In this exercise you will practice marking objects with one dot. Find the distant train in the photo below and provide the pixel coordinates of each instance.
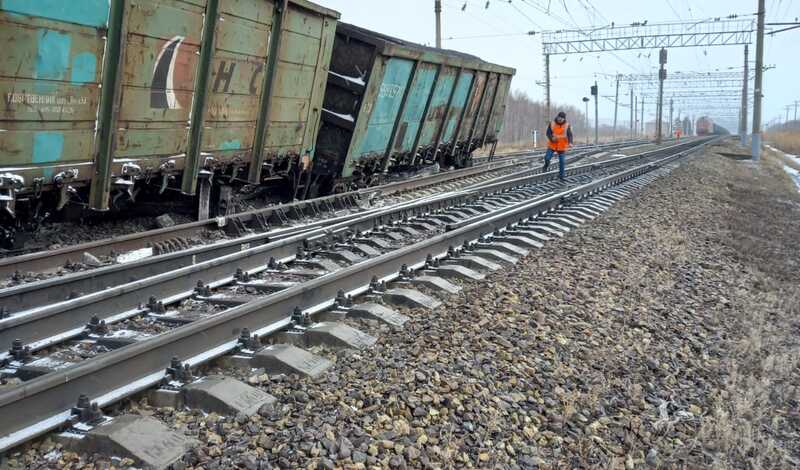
(706, 126)
(110, 101)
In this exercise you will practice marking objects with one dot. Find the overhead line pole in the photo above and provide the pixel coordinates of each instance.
(596, 124)
(632, 113)
(616, 108)
(547, 84)
(743, 117)
(758, 92)
(671, 108)
(437, 8)
(642, 121)
(719, 32)
(635, 121)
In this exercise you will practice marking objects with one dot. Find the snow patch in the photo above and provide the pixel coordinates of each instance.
(134, 255)
(346, 117)
(795, 175)
(356, 80)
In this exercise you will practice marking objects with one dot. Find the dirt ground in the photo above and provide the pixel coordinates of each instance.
(663, 334)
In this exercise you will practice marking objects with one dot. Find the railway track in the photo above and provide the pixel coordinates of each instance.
(119, 337)
(277, 220)
(117, 289)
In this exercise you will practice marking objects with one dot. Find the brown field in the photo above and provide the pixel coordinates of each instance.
(788, 141)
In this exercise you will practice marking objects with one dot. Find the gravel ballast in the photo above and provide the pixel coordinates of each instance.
(663, 334)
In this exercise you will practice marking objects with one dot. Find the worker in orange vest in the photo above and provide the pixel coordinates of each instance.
(678, 133)
(559, 139)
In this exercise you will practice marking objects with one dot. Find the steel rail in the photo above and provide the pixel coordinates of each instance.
(30, 295)
(53, 259)
(44, 403)
(439, 178)
(118, 292)
(523, 175)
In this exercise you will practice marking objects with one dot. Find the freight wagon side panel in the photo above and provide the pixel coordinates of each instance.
(472, 107)
(496, 123)
(486, 107)
(159, 70)
(438, 106)
(349, 83)
(384, 111)
(236, 77)
(416, 100)
(322, 66)
(306, 44)
(50, 71)
(457, 105)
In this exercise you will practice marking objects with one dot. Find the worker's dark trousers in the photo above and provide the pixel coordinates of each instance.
(549, 156)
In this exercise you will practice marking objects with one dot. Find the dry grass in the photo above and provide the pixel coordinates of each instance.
(752, 422)
(747, 426)
(788, 141)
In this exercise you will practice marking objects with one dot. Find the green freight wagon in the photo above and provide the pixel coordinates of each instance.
(116, 96)
(394, 106)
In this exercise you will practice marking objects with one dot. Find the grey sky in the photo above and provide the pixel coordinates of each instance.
(414, 20)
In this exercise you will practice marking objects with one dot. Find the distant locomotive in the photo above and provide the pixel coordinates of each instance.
(109, 101)
(706, 126)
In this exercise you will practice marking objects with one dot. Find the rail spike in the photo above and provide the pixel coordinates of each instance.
(202, 290)
(177, 372)
(376, 287)
(405, 273)
(156, 306)
(86, 412)
(341, 299)
(301, 318)
(248, 341)
(19, 352)
(97, 326)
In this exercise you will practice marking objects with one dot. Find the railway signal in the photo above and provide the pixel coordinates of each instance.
(586, 117)
(662, 75)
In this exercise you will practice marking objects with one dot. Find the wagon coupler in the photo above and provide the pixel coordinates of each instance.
(65, 190)
(126, 183)
(167, 171)
(9, 185)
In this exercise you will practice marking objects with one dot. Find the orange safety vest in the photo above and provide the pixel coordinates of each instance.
(560, 135)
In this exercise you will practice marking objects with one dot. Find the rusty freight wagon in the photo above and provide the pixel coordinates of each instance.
(106, 98)
(393, 106)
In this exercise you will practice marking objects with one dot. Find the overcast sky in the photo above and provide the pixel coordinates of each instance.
(505, 22)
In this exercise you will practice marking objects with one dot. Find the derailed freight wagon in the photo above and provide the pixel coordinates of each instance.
(393, 106)
(105, 98)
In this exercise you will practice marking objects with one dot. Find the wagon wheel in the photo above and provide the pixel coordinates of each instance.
(374, 180)
(339, 188)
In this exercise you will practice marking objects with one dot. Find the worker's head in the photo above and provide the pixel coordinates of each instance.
(561, 118)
